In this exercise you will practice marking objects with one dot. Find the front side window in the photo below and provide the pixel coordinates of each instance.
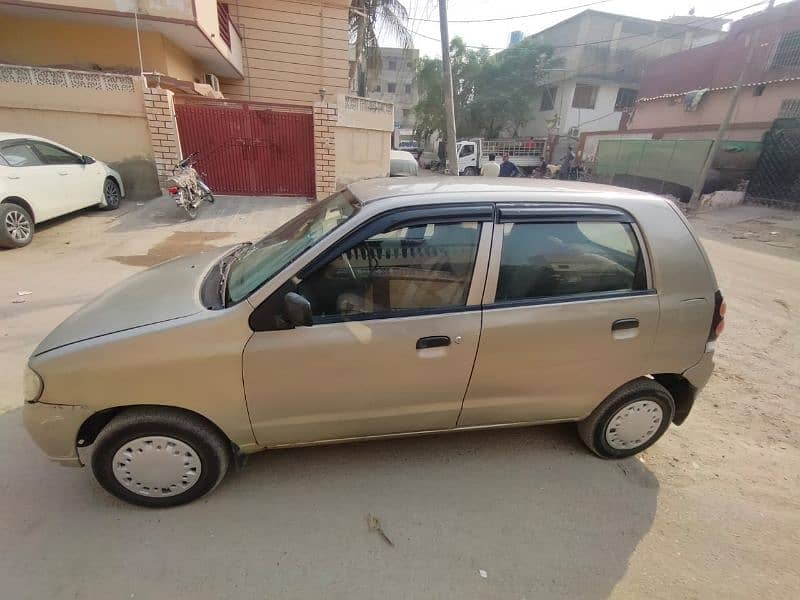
(20, 154)
(553, 260)
(56, 156)
(267, 257)
(419, 267)
(466, 150)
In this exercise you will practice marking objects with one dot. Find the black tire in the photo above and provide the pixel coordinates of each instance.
(470, 172)
(592, 430)
(212, 448)
(112, 194)
(209, 197)
(16, 226)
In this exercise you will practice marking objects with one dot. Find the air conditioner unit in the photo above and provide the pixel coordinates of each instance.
(574, 133)
(212, 80)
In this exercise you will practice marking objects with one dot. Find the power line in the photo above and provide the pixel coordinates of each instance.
(686, 26)
(539, 14)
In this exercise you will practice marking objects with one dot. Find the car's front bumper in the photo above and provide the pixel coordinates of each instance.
(54, 428)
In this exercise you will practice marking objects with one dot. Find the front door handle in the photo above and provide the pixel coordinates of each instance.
(13, 176)
(620, 324)
(63, 173)
(433, 341)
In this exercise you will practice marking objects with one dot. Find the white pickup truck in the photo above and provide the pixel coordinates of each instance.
(527, 154)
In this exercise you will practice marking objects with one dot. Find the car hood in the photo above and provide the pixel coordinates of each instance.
(168, 291)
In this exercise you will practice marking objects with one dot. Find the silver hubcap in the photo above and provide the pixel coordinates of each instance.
(157, 466)
(634, 424)
(112, 194)
(18, 226)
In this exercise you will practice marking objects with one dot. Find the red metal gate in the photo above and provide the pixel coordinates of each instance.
(247, 147)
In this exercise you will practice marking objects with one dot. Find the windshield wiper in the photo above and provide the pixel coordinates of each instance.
(225, 267)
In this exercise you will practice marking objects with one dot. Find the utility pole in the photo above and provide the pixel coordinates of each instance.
(447, 91)
(713, 152)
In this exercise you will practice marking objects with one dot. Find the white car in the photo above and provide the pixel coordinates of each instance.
(41, 180)
(402, 164)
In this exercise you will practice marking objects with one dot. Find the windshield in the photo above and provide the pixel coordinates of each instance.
(264, 259)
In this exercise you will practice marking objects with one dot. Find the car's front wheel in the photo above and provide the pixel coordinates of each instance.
(112, 195)
(629, 420)
(159, 457)
(16, 226)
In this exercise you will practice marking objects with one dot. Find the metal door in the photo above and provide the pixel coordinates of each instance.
(249, 148)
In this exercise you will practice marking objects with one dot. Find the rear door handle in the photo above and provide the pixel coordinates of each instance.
(13, 176)
(434, 341)
(620, 324)
(63, 173)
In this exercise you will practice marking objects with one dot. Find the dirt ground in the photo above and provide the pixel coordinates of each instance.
(711, 511)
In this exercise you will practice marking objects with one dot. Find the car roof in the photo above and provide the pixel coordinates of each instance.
(495, 189)
(7, 135)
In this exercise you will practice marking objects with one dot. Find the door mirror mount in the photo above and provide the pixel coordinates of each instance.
(297, 310)
(87, 160)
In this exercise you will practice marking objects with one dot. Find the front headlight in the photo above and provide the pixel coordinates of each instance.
(32, 385)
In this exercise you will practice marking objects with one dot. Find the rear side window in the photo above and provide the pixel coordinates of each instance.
(20, 154)
(553, 260)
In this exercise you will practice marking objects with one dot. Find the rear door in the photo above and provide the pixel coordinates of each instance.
(570, 314)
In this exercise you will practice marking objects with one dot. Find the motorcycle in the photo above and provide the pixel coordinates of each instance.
(187, 187)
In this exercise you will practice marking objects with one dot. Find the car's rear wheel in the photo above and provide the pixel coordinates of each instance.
(629, 420)
(159, 457)
(111, 194)
(16, 226)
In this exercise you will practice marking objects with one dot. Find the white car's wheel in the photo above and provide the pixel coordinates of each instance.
(16, 226)
(111, 194)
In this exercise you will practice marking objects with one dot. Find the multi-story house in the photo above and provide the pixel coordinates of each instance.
(687, 94)
(602, 58)
(392, 79)
(259, 87)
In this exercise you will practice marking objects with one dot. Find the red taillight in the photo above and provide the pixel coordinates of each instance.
(718, 322)
(173, 190)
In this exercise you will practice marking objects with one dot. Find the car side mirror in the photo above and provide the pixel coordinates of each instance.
(297, 310)
(87, 160)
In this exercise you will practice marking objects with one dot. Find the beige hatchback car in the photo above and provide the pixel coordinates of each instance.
(391, 308)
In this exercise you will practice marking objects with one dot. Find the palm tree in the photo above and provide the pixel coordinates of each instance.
(368, 20)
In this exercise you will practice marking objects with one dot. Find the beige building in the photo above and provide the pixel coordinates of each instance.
(280, 65)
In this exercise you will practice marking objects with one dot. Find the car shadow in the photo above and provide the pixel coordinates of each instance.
(530, 509)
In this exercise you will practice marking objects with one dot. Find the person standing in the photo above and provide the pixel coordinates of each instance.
(566, 164)
(508, 168)
(491, 168)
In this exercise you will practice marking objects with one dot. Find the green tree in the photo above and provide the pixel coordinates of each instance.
(368, 19)
(491, 94)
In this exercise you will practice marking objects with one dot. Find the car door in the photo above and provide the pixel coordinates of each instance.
(570, 314)
(395, 330)
(27, 177)
(81, 184)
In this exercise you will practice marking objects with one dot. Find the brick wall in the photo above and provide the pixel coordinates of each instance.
(325, 119)
(160, 111)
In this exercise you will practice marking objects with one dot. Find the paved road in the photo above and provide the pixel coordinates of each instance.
(711, 511)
